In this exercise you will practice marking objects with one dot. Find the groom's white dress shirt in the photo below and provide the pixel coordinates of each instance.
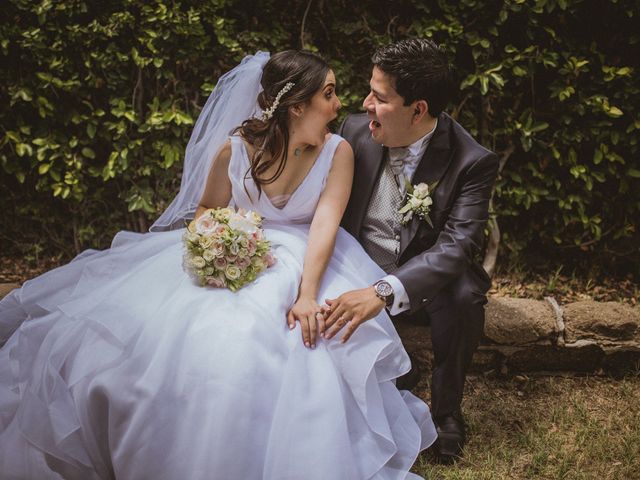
(404, 162)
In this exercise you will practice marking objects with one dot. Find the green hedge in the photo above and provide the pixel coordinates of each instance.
(98, 100)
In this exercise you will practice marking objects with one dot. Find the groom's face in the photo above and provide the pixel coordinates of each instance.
(390, 119)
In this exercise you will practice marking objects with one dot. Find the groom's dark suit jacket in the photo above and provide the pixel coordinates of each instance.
(431, 257)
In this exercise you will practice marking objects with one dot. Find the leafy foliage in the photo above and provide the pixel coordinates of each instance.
(98, 103)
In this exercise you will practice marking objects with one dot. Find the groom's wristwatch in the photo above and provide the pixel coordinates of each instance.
(384, 291)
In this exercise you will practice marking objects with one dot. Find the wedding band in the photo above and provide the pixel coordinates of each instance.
(319, 313)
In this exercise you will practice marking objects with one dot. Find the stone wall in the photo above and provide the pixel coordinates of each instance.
(523, 335)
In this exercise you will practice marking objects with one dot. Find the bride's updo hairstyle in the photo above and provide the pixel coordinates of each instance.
(307, 71)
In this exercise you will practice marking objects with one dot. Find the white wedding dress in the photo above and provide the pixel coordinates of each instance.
(118, 366)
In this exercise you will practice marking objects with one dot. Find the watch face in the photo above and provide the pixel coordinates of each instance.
(384, 289)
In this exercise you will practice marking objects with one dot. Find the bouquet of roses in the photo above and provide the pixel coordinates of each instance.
(225, 248)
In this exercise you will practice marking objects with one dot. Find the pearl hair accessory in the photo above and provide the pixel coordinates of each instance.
(268, 113)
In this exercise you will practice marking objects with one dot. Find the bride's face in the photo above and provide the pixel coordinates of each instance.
(390, 119)
(322, 109)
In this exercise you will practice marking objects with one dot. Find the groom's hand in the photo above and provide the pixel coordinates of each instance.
(352, 309)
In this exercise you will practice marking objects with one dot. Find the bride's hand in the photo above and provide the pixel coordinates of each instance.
(308, 313)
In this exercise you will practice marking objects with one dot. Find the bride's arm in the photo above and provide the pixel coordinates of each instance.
(217, 191)
(322, 237)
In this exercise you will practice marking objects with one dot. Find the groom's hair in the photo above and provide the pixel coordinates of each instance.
(420, 70)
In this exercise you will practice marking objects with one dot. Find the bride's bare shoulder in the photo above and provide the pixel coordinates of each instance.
(224, 154)
(248, 146)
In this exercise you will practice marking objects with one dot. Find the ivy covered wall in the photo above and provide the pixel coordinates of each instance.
(97, 101)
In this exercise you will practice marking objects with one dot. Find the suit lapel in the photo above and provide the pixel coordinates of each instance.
(431, 168)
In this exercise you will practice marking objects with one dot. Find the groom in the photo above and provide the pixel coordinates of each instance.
(433, 269)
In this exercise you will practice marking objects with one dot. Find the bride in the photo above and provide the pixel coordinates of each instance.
(117, 365)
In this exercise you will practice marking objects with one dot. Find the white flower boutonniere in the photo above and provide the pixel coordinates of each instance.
(418, 202)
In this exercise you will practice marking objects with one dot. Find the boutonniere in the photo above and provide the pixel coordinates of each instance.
(418, 202)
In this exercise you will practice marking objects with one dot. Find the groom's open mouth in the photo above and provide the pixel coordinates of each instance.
(373, 125)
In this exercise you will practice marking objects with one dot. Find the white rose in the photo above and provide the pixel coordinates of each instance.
(242, 224)
(193, 237)
(198, 262)
(426, 202)
(232, 272)
(421, 190)
(206, 241)
(234, 248)
(415, 202)
(208, 255)
(253, 217)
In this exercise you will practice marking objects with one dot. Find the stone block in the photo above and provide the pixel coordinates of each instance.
(520, 321)
(607, 323)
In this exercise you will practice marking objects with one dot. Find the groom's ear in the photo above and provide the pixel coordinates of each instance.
(420, 109)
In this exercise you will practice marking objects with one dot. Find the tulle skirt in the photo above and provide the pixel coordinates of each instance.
(118, 366)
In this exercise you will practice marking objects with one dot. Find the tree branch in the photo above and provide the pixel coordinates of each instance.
(136, 96)
(491, 254)
(304, 20)
(458, 108)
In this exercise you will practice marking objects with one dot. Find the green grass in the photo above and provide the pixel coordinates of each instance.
(547, 428)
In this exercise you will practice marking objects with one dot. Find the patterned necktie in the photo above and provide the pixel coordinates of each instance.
(404, 160)
(396, 162)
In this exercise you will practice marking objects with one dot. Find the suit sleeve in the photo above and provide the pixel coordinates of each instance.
(461, 239)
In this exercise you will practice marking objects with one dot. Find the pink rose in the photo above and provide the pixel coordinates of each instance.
(251, 246)
(215, 282)
(220, 263)
(205, 224)
(217, 249)
(243, 262)
(269, 259)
